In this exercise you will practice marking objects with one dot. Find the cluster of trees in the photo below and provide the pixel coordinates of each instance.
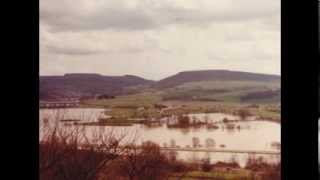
(244, 114)
(183, 120)
(267, 171)
(186, 121)
(105, 96)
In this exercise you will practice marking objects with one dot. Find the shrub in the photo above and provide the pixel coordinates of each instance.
(206, 166)
(244, 113)
(69, 155)
(143, 163)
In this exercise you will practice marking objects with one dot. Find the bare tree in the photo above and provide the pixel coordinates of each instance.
(68, 154)
(144, 162)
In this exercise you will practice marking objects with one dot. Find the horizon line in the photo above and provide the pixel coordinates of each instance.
(161, 78)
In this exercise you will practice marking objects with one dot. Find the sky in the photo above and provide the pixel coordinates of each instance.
(155, 39)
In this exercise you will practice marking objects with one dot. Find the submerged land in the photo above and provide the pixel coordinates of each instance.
(129, 100)
(186, 92)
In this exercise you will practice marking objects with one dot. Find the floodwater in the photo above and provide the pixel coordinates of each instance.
(252, 135)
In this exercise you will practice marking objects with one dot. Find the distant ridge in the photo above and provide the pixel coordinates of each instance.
(81, 84)
(211, 75)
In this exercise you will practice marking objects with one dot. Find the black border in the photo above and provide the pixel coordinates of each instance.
(20, 58)
(35, 75)
(300, 63)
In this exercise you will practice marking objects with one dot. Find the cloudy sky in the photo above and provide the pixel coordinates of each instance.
(158, 38)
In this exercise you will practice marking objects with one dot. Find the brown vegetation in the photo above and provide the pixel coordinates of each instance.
(244, 114)
(143, 163)
(70, 155)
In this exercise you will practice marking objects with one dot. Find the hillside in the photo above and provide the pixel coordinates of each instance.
(207, 85)
(213, 75)
(221, 86)
(52, 87)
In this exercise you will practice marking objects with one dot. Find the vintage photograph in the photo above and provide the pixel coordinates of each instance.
(160, 90)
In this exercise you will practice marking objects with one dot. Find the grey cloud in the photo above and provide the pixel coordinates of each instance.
(109, 19)
(71, 51)
(83, 51)
(144, 16)
(246, 37)
(173, 36)
(129, 50)
(198, 16)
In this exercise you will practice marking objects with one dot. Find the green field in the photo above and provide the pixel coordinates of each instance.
(223, 91)
(142, 106)
(127, 101)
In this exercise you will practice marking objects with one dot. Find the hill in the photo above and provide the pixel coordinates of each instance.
(213, 75)
(52, 87)
(221, 86)
(206, 85)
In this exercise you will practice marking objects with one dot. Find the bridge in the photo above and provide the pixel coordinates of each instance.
(59, 104)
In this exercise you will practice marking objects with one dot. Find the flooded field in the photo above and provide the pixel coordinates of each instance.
(250, 135)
